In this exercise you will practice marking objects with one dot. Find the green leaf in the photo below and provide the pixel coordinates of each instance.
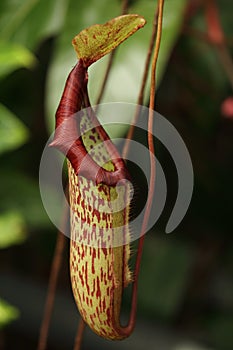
(12, 131)
(20, 193)
(8, 313)
(98, 40)
(30, 21)
(12, 229)
(13, 56)
(126, 74)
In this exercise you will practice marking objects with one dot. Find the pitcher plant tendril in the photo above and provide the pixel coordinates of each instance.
(150, 137)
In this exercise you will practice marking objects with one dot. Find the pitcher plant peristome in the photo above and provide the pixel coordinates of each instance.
(97, 176)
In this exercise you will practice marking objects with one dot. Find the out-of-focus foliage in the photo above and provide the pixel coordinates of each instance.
(12, 133)
(11, 229)
(13, 56)
(26, 201)
(8, 313)
(186, 277)
(29, 22)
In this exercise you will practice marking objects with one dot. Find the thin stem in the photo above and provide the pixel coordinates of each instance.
(124, 10)
(150, 137)
(106, 76)
(152, 171)
(131, 130)
(147, 63)
(79, 334)
(124, 7)
(53, 279)
(153, 70)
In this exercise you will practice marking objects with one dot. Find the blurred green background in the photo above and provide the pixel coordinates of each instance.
(186, 284)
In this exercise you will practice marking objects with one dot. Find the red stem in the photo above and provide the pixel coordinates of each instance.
(110, 62)
(132, 319)
(53, 279)
(79, 335)
(150, 136)
(129, 136)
